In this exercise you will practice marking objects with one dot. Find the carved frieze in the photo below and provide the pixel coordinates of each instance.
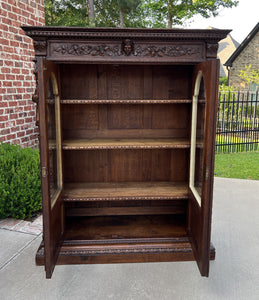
(126, 50)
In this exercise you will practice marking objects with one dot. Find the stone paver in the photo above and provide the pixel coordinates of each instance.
(34, 227)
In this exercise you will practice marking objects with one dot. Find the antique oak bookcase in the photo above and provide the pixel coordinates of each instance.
(127, 128)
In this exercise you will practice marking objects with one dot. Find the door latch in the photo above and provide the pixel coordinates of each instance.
(44, 172)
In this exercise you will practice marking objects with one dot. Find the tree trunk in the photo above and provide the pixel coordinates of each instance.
(91, 13)
(121, 18)
(169, 21)
(170, 15)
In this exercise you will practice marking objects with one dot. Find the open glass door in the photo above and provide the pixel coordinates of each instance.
(51, 162)
(204, 106)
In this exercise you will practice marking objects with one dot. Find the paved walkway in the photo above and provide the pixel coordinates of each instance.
(34, 227)
(233, 275)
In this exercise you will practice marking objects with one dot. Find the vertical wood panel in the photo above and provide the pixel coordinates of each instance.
(125, 116)
(126, 165)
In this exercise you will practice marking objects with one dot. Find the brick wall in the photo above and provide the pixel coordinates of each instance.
(17, 111)
(249, 55)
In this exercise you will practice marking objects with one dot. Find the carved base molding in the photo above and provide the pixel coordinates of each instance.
(118, 251)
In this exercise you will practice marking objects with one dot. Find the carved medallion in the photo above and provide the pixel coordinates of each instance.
(127, 47)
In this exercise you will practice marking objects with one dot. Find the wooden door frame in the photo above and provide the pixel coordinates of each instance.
(199, 214)
(53, 213)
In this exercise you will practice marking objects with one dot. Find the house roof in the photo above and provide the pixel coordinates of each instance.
(241, 47)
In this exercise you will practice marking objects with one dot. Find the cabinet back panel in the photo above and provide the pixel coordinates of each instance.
(125, 82)
(125, 165)
(125, 120)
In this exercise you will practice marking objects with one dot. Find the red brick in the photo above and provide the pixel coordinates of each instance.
(11, 90)
(29, 78)
(25, 139)
(19, 121)
(3, 118)
(25, 71)
(17, 83)
(14, 44)
(3, 27)
(20, 134)
(12, 16)
(9, 77)
(15, 129)
(6, 21)
(4, 13)
(18, 64)
(28, 120)
(27, 108)
(11, 136)
(21, 5)
(2, 138)
(7, 83)
(29, 132)
(16, 142)
(8, 49)
(16, 10)
(8, 63)
(13, 116)
(12, 103)
(16, 71)
(4, 41)
(31, 113)
(5, 131)
(9, 111)
(5, 70)
(6, 6)
(2, 91)
(27, 97)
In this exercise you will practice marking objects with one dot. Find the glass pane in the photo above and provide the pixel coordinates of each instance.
(52, 142)
(199, 139)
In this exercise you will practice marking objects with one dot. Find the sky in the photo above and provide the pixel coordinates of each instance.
(241, 19)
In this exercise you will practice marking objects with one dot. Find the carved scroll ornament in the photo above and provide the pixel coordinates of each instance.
(127, 49)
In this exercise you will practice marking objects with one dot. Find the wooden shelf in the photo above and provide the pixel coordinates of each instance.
(88, 144)
(125, 101)
(125, 191)
(127, 228)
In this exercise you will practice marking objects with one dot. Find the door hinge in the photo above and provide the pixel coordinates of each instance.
(44, 172)
(207, 173)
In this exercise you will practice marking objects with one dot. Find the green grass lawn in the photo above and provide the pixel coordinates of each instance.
(243, 165)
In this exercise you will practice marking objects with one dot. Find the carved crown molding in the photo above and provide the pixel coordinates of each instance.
(37, 32)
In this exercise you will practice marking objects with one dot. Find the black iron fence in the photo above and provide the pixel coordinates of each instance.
(237, 122)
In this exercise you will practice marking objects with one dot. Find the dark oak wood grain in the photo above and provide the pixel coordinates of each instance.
(115, 114)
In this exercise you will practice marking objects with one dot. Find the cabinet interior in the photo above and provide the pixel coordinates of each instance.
(125, 145)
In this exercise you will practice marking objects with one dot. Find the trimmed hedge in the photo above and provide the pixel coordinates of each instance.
(20, 186)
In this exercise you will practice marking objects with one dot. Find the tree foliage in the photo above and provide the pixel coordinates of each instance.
(132, 13)
(249, 75)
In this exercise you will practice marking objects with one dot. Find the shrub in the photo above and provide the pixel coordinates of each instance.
(223, 81)
(20, 187)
